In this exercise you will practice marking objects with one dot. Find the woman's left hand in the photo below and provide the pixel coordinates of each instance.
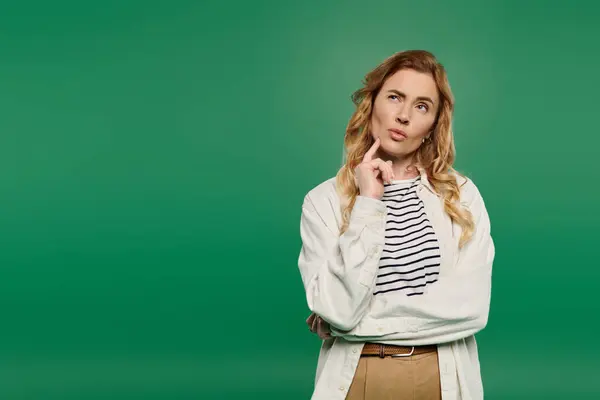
(317, 325)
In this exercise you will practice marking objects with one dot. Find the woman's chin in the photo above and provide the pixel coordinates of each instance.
(393, 149)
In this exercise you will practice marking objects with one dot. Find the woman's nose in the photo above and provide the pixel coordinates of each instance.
(402, 118)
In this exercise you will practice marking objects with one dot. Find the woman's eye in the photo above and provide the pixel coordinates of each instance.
(424, 107)
(392, 96)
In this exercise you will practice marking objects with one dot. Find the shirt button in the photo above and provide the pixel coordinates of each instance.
(354, 350)
(342, 388)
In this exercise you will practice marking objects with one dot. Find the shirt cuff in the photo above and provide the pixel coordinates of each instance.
(366, 207)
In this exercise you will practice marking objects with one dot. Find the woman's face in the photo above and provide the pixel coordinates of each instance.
(404, 112)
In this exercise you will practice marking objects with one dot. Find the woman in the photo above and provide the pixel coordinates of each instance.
(397, 254)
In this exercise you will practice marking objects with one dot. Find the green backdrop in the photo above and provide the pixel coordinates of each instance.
(154, 156)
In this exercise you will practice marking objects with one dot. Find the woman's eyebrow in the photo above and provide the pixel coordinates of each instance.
(420, 98)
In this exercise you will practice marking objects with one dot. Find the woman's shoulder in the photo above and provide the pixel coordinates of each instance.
(323, 192)
(470, 195)
(322, 203)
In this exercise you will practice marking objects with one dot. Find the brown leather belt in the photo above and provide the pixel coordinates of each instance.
(382, 350)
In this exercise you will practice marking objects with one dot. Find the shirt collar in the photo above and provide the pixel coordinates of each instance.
(425, 181)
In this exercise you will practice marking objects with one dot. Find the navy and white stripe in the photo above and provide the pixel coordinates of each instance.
(411, 256)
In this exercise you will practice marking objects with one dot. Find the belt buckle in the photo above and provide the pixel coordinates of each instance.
(412, 350)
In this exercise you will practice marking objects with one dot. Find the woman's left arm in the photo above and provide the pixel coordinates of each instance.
(456, 306)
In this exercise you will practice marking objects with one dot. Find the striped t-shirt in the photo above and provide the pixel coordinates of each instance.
(411, 257)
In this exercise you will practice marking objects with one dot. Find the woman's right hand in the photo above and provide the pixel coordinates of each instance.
(372, 173)
(317, 325)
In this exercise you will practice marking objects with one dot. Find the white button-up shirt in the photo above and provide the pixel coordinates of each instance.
(339, 273)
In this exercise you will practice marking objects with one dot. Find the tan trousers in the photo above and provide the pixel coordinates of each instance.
(403, 378)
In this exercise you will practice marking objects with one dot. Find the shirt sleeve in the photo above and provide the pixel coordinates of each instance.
(455, 307)
(339, 271)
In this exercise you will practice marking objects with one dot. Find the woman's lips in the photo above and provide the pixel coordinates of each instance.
(397, 134)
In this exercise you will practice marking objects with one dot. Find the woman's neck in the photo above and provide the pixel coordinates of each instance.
(403, 167)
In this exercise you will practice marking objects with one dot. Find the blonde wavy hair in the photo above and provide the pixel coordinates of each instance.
(436, 155)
